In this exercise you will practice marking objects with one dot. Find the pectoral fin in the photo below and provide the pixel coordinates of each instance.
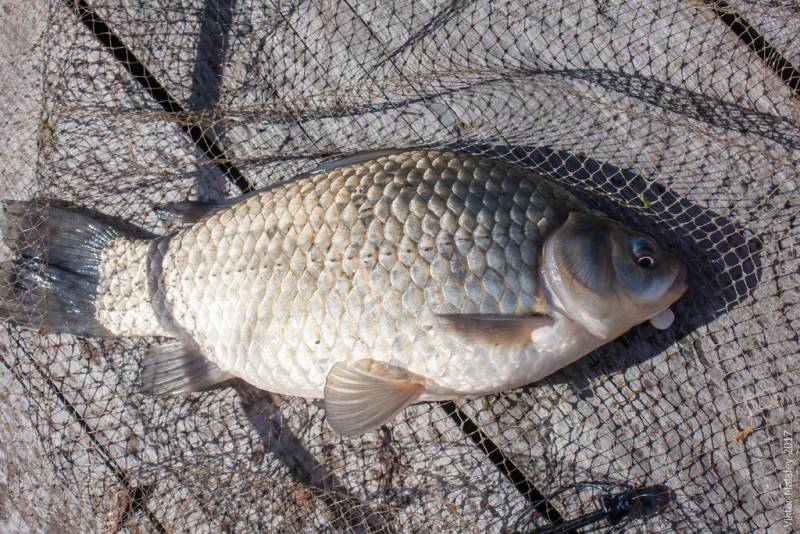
(178, 368)
(496, 330)
(363, 395)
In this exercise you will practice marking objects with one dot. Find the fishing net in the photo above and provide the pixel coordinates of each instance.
(680, 118)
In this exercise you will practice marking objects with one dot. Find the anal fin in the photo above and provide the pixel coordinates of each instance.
(178, 368)
(362, 395)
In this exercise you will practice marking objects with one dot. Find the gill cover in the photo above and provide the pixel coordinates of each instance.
(607, 277)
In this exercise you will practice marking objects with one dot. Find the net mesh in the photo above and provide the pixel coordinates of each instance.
(666, 114)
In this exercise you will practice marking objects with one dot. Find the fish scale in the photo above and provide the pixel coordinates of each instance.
(381, 280)
(356, 263)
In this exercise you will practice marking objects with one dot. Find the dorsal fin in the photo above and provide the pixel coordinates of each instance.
(191, 211)
(358, 157)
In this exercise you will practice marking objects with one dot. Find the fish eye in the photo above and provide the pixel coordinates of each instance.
(644, 253)
(646, 261)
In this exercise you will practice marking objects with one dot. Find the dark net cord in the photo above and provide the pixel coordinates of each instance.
(758, 44)
(136, 497)
(156, 90)
(679, 118)
(125, 57)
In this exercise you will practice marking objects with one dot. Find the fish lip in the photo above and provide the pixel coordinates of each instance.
(676, 289)
(680, 283)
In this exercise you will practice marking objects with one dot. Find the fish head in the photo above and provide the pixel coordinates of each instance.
(608, 277)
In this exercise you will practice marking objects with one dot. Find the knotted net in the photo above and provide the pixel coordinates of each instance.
(681, 118)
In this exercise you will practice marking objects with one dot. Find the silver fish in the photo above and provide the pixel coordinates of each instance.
(390, 278)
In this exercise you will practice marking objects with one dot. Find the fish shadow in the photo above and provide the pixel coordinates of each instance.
(346, 511)
(723, 258)
(206, 90)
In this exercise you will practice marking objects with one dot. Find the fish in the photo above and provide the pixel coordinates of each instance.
(382, 280)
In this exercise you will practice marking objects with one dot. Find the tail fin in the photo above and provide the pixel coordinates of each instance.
(51, 282)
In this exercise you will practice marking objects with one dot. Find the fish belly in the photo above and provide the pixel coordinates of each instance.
(358, 262)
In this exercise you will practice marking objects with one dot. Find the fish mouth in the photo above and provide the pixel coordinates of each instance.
(665, 317)
(680, 284)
